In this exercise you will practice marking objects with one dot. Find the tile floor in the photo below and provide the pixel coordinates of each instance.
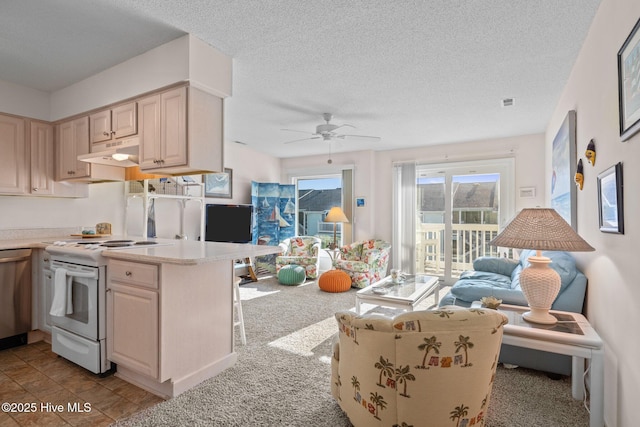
(34, 375)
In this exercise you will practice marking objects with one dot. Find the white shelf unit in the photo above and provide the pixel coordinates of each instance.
(147, 196)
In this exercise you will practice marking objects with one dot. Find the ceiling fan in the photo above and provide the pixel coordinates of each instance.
(327, 132)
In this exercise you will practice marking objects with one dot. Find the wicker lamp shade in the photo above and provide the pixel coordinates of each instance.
(541, 229)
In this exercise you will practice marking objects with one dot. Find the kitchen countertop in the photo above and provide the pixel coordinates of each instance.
(171, 251)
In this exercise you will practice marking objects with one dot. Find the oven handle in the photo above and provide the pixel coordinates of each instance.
(78, 274)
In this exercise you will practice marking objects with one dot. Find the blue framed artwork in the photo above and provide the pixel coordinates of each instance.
(610, 200)
(563, 164)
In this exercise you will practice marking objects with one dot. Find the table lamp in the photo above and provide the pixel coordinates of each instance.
(335, 215)
(540, 229)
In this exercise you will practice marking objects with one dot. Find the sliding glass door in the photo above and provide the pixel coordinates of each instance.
(458, 210)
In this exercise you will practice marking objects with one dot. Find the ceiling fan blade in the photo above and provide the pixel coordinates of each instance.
(343, 125)
(371, 138)
(303, 139)
(300, 131)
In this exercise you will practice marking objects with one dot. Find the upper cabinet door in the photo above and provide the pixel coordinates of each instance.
(116, 123)
(42, 156)
(73, 140)
(149, 119)
(124, 120)
(100, 126)
(13, 166)
(173, 137)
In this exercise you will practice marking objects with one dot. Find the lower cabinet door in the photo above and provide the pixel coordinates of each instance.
(132, 328)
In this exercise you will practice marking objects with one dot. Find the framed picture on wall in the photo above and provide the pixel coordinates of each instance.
(629, 84)
(563, 163)
(218, 184)
(610, 201)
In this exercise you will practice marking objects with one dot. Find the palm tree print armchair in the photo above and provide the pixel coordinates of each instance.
(302, 251)
(365, 262)
(421, 368)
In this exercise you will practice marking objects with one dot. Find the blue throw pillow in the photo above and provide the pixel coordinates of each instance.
(496, 265)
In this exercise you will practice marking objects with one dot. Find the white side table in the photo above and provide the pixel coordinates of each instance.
(572, 336)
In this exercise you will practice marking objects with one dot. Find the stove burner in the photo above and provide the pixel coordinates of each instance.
(118, 243)
(146, 242)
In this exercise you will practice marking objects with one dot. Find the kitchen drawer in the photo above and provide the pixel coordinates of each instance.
(133, 273)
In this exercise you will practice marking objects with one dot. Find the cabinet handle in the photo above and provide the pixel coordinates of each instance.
(112, 132)
(105, 133)
(108, 290)
(35, 188)
(128, 273)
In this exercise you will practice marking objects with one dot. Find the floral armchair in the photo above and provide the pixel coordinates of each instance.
(365, 262)
(421, 368)
(302, 251)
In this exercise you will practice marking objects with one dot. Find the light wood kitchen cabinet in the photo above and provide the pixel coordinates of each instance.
(180, 132)
(42, 154)
(73, 140)
(133, 328)
(132, 317)
(114, 123)
(13, 161)
(42, 158)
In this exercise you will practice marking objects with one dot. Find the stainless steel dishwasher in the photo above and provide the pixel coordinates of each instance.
(15, 297)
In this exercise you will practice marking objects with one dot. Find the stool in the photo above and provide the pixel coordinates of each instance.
(237, 307)
(292, 275)
(335, 281)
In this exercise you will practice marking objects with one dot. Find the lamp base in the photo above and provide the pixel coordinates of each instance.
(540, 285)
(539, 315)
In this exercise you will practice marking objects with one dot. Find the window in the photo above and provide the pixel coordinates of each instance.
(446, 214)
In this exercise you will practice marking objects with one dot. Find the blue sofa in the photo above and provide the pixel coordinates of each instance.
(500, 277)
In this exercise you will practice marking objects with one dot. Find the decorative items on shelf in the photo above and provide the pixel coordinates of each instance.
(591, 152)
(579, 178)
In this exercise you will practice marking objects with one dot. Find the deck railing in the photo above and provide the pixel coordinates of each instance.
(469, 241)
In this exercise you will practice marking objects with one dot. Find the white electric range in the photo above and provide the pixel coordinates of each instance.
(77, 295)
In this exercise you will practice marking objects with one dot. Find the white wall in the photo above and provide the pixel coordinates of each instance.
(104, 204)
(613, 291)
(373, 174)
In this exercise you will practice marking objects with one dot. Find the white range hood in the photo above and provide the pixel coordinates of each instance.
(122, 153)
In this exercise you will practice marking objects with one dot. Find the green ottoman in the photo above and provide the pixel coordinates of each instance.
(291, 275)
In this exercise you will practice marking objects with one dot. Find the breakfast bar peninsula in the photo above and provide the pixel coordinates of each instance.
(170, 312)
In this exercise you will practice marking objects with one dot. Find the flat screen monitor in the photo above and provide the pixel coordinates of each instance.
(229, 223)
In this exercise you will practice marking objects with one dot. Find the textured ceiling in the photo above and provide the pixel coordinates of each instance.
(414, 73)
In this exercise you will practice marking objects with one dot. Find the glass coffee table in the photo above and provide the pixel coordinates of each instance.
(404, 295)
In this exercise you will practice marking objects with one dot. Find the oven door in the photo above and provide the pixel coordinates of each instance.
(79, 311)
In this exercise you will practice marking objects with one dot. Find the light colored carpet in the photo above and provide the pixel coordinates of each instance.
(282, 377)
